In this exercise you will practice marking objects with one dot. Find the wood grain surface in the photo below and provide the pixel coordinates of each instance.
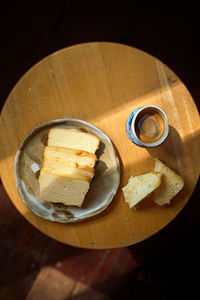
(102, 83)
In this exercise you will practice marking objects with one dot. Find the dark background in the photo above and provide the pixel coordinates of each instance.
(169, 262)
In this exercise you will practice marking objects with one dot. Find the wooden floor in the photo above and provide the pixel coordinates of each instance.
(33, 266)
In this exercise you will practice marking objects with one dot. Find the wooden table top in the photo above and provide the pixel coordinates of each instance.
(102, 83)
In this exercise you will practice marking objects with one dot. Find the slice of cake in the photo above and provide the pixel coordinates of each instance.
(80, 157)
(70, 168)
(139, 187)
(73, 139)
(56, 187)
(171, 184)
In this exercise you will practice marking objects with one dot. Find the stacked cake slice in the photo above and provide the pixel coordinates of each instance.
(68, 166)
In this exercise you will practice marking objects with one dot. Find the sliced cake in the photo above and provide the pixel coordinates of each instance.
(58, 188)
(171, 184)
(139, 187)
(70, 168)
(73, 139)
(80, 157)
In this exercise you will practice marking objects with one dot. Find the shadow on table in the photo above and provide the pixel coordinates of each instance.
(179, 155)
(170, 259)
(182, 231)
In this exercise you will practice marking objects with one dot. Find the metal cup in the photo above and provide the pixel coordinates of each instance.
(131, 126)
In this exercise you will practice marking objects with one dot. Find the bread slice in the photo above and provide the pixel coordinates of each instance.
(69, 168)
(59, 188)
(73, 139)
(82, 158)
(171, 184)
(139, 187)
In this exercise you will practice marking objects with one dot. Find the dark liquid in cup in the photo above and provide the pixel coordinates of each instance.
(149, 126)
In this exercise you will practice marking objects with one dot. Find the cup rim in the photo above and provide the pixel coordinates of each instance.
(165, 134)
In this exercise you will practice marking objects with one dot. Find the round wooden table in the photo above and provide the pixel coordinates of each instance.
(102, 83)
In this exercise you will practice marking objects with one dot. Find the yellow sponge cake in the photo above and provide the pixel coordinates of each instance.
(139, 187)
(80, 157)
(73, 139)
(58, 188)
(68, 166)
(171, 184)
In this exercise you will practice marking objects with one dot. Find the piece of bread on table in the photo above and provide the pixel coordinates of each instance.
(170, 186)
(73, 139)
(139, 187)
(80, 157)
(56, 187)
